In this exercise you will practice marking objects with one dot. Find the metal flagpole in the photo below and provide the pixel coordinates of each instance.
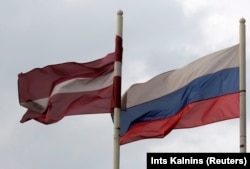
(242, 86)
(117, 90)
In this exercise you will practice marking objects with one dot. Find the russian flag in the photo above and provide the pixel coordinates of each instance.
(202, 92)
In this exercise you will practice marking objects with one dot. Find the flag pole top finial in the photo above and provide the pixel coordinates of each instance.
(242, 20)
(120, 12)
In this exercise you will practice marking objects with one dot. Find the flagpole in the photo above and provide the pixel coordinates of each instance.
(242, 86)
(117, 90)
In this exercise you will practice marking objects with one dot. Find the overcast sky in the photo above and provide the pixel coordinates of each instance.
(158, 36)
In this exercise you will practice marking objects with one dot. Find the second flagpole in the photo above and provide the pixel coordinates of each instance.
(242, 86)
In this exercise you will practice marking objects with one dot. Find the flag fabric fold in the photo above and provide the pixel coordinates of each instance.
(70, 88)
(202, 92)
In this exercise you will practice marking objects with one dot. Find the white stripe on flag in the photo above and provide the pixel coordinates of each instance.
(171, 81)
(71, 86)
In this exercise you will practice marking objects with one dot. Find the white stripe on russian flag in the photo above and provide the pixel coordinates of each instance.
(171, 81)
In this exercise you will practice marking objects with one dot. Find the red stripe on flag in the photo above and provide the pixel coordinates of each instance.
(118, 49)
(117, 92)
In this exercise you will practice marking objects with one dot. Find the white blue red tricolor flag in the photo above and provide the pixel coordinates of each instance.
(202, 92)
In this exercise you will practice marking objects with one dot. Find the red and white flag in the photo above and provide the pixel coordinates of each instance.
(59, 90)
